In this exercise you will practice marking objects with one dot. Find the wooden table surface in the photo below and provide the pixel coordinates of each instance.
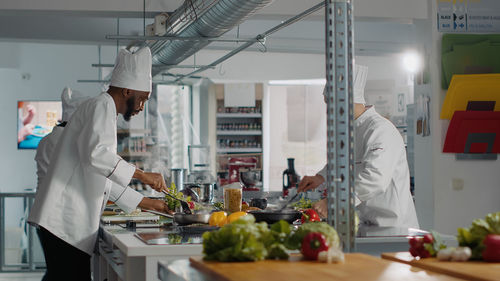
(470, 270)
(356, 267)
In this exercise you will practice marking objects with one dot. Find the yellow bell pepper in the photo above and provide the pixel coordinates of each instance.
(218, 219)
(234, 216)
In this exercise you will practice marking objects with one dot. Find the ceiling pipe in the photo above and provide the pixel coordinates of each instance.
(198, 18)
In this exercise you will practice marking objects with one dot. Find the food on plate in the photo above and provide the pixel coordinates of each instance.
(491, 252)
(475, 236)
(218, 219)
(232, 199)
(312, 244)
(234, 216)
(246, 240)
(309, 215)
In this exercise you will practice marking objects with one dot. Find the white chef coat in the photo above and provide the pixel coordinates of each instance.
(381, 177)
(127, 202)
(79, 178)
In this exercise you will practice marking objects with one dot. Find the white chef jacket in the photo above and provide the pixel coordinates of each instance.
(381, 177)
(127, 202)
(79, 178)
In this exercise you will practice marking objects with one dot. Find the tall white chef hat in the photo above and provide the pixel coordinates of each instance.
(133, 70)
(71, 99)
(360, 74)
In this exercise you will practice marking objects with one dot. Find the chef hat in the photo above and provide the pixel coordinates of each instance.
(133, 70)
(71, 99)
(360, 73)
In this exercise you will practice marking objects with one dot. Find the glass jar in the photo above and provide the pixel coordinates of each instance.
(233, 194)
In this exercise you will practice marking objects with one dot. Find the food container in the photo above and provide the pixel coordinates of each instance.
(232, 197)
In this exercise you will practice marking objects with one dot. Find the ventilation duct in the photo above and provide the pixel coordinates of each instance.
(200, 18)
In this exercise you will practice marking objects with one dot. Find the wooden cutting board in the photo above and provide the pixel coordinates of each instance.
(357, 267)
(470, 270)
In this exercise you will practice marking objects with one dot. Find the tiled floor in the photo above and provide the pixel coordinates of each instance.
(31, 276)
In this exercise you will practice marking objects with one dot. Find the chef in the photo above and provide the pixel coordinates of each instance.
(381, 176)
(84, 167)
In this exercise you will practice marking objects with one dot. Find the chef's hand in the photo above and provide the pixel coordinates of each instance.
(321, 208)
(155, 205)
(310, 182)
(155, 180)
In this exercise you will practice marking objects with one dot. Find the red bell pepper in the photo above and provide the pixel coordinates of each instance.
(312, 244)
(309, 215)
(491, 253)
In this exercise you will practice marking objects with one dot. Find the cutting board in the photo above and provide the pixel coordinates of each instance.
(357, 267)
(470, 270)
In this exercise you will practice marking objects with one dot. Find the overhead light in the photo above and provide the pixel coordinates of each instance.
(412, 62)
(297, 82)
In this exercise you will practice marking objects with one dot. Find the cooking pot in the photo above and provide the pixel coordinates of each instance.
(205, 191)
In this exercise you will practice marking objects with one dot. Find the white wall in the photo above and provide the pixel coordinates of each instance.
(50, 68)
(481, 192)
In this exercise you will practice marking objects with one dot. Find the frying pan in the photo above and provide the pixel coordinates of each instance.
(185, 219)
(274, 216)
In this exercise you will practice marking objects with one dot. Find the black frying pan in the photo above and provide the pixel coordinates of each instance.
(274, 216)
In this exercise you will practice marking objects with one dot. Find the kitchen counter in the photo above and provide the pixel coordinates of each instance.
(195, 269)
(125, 255)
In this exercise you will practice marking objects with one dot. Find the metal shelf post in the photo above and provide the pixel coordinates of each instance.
(339, 83)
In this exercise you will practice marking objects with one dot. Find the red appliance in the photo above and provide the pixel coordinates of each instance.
(237, 163)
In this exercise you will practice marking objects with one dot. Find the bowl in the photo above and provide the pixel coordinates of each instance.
(251, 177)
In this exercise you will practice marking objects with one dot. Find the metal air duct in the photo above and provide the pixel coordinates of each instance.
(198, 18)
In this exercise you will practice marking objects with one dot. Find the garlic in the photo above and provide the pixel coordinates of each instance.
(461, 254)
(333, 254)
(445, 254)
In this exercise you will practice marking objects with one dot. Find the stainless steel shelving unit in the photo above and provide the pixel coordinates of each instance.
(340, 146)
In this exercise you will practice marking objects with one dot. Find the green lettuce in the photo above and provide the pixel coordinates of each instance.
(295, 240)
(245, 240)
(473, 237)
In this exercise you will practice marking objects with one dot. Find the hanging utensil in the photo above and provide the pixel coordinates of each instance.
(184, 204)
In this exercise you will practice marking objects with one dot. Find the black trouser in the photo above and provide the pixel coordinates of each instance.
(64, 262)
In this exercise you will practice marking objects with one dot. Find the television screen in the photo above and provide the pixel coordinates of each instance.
(36, 120)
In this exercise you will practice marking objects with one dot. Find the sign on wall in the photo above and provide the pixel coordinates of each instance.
(468, 15)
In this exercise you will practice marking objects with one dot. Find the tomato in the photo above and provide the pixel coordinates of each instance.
(191, 205)
(309, 215)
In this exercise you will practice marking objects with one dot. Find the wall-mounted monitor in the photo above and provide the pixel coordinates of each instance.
(35, 120)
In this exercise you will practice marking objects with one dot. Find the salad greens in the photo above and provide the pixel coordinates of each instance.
(473, 237)
(302, 204)
(246, 240)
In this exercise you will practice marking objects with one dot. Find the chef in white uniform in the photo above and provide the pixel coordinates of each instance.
(83, 167)
(381, 176)
(70, 99)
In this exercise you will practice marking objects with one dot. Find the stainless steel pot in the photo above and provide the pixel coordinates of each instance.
(205, 191)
